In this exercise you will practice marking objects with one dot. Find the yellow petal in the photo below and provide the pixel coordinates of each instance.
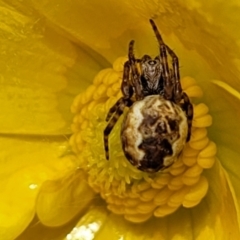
(26, 164)
(118, 22)
(100, 24)
(90, 225)
(60, 200)
(226, 131)
(40, 75)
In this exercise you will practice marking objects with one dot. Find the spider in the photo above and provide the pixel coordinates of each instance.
(159, 120)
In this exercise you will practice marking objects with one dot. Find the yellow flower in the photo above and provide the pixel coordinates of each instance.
(50, 52)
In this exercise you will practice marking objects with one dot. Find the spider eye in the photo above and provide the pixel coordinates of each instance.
(152, 62)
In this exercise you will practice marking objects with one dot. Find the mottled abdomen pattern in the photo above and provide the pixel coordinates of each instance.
(154, 132)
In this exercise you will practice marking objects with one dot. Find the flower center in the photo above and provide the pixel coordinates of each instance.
(128, 191)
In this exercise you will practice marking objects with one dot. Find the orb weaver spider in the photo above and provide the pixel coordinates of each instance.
(159, 119)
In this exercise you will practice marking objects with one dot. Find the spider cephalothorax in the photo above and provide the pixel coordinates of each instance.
(160, 114)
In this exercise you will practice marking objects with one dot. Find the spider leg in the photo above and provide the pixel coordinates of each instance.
(135, 73)
(127, 90)
(126, 87)
(188, 109)
(120, 105)
(114, 113)
(131, 56)
(168, 85)
(113, 109)
(177, 86)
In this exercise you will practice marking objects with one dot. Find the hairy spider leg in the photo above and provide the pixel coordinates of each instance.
(179, 94)
(168, 85)
(126, 87)
(113, 109)
(111, 124)
(131, 56)
(113, 115)
(127, 90)
(134, 72)
(177, 86)
(188, 109)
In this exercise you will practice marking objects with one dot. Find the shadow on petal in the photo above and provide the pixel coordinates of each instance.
(61, 200)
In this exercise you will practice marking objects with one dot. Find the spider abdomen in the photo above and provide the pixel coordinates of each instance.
(154, 132)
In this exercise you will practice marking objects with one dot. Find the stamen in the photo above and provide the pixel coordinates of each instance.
(128, 191)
